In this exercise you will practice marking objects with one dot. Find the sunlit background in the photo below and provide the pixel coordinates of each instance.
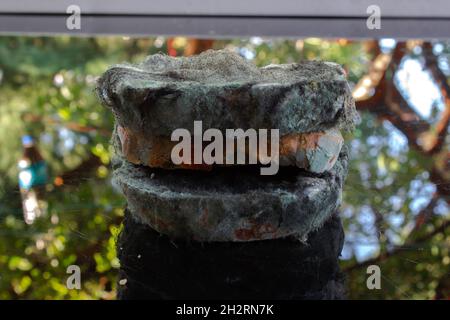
(396, 200)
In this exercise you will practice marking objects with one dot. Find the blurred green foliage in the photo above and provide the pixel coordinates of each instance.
(47, 90)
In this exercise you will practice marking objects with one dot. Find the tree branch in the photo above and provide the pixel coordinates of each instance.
(28, 117)
(82, 171)
(439, 133)
(398, 249)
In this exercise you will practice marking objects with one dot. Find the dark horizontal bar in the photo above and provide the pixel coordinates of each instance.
(258, 8)
(200, 16)
(225, 26)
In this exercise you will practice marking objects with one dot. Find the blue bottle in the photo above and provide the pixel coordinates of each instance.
(33, 176)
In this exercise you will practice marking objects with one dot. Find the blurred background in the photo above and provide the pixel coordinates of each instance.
(59, 208)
